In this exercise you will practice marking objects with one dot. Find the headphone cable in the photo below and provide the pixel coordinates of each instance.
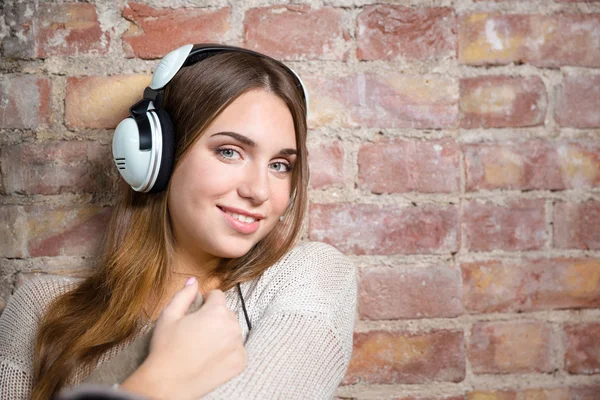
(244, 307)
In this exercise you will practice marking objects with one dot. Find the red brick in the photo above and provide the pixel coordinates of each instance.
(578, 102)
(589, 392)
(66, 231)
(502, 101)
(582, 348)
(531, 285)
(57, 167)
(577, 225)
(500, 347)
(407, 292)
(102, 101)
(386, 32)
(25, 101)
(385, 101)
(48, 29)
(518, 225)
(384, 229)
(326, 162)
(395, 166)
(382, 357)
(13, 231)
(281, 32)
(531, 165)
(561, 393)
(149, 27)
(541, 40)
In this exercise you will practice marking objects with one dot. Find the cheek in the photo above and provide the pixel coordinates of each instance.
(199, 180)
(281, 198)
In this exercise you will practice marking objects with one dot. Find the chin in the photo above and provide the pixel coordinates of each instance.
(236, 250)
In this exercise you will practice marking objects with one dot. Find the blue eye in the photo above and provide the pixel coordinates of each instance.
(221, 151)
(288, 167)
(224, 149)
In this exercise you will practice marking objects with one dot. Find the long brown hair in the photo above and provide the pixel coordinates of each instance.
(104, 309)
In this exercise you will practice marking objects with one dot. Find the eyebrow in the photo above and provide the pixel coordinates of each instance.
(246, 140)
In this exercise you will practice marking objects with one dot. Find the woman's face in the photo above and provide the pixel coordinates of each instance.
(221, 171)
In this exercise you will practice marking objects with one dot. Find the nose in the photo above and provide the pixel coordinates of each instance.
(256, 184)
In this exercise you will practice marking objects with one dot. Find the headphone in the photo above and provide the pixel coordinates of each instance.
(143, 144)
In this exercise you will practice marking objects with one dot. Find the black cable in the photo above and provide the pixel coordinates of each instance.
(244, 307)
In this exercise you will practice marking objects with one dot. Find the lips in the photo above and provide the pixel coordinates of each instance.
(241, 212)
(242, 227)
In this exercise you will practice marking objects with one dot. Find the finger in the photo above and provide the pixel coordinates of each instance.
(215, 297)
(196, 304)
(180, 302)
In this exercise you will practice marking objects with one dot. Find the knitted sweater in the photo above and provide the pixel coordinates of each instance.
(301, 309)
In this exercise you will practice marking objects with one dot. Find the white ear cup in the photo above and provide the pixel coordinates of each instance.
(169, 65)
(138, 167)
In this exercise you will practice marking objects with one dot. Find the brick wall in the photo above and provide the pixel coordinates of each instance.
(455, 156)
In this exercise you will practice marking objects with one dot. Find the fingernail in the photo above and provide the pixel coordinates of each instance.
(190, 281)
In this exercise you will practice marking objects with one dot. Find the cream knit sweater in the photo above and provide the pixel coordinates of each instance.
(302, 312)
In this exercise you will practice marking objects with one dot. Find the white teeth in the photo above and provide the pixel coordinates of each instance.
(242, 218)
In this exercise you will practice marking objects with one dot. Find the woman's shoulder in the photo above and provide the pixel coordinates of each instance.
(20, 318)
(317, 259)
(36, 293)
(313, 276)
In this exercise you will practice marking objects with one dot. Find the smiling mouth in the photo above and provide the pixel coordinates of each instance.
(240, 225)
(240, 217)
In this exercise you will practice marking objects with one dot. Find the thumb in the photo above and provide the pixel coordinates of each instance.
(180, 302)
(215, 298)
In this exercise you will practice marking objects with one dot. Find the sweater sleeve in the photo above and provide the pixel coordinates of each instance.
(18, 328)
(300, 348)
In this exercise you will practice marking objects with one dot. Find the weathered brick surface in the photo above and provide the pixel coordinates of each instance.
(559, 393)
(582, 348)
(281, 32)
(326, 163)
(577, 225)
(536, 164)
(390, 357)
(409, 292)
(530, 285)
(502, 101)
(48, 29)
(541, 40)
(454, 158)
(384, 101)
(578, 102)
(24, 101)
(387, 32)
(57, 167)
(510, 347)
(517, 225)
(102, 102)
(149, 26)
(410, 165)
(13, 231)
(575, 392)
(39, 230)
(65, 231)
(384, 230)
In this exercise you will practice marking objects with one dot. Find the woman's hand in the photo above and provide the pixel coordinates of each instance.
(190, 355)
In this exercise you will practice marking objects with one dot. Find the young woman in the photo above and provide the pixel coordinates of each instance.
(278, 317)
